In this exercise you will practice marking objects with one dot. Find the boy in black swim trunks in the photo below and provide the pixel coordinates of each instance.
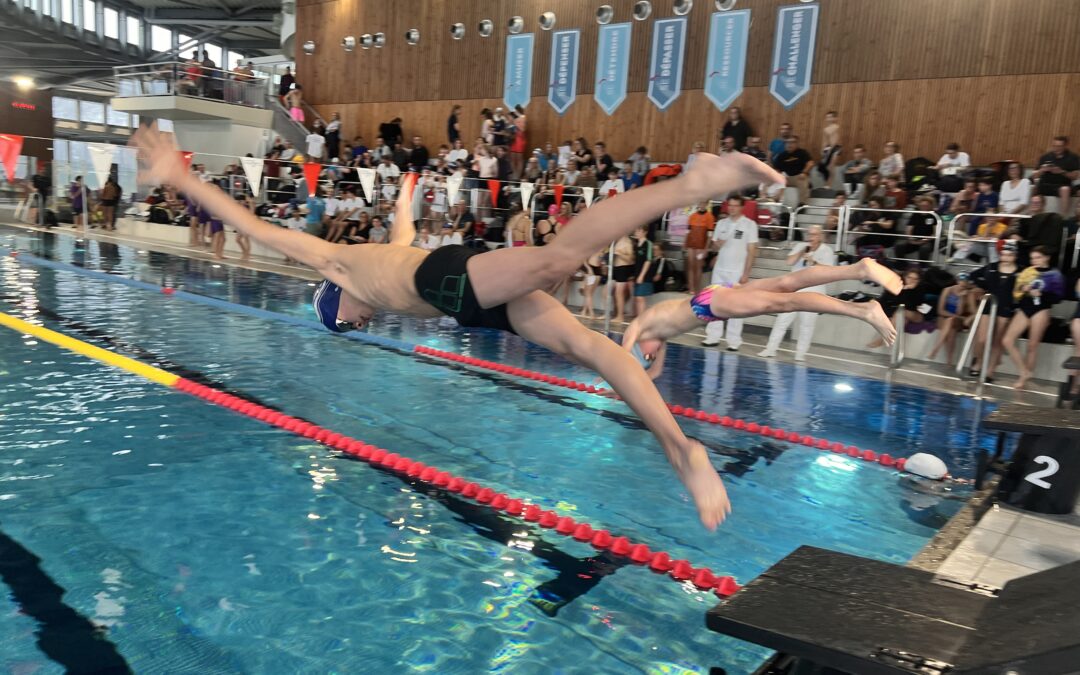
(495, 289)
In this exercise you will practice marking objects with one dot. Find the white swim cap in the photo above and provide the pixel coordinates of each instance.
(927, 466)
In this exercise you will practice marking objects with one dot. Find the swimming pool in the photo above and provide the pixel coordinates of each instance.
(208, 542)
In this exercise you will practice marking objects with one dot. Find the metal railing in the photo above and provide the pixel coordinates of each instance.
(950, 240)
(179, 78)
(965, 353)
(845, 230)
(896, 355)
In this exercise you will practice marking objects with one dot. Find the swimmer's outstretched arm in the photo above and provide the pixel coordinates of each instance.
(161, 163)
(404, 232)
(661, 321)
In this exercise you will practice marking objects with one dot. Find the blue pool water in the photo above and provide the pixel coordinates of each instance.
(206, 542)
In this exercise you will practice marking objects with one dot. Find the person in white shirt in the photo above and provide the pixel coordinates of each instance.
(458, 154)
(450, 236)
(953, 161)
(427, 240)
(316, 143)
(811, 253)
(387, 170)
(736, 241)
(289, 152)
(893, 162)
(613, 185)
(1015, 194)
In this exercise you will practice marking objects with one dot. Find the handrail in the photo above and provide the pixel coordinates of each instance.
(897, 355)
(169, 78)
(965, 352)
(938, 223)
(951, 235)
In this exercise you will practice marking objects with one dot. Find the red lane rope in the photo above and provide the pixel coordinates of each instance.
(657, 561)
(883, 459)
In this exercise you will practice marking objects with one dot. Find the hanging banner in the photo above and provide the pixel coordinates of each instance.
(453, 184)
(666, 66)
(253, 169)
(101, 159)
(10, 149)
(367, 183)
(311, 176)
(564, 69)
(526, 194)
(612, 66)
(559, 189)
(493, 188)
(185, 157)
(793, 53)
(517, 73)
(729, 36)
(588, 193)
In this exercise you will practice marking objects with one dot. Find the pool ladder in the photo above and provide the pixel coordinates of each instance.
(965, 353)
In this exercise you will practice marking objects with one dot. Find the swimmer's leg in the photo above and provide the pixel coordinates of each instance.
(865, 270)
(539, 318)
(500, 276)
(750, 301)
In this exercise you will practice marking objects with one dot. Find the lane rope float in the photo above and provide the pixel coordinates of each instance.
(660, 562)
(871, 456)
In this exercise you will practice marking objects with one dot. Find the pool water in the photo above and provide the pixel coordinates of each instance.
(193, 539)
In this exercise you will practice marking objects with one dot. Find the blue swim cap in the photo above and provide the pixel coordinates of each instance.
(326, 301)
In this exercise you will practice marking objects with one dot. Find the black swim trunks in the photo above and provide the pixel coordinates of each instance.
(443, 282)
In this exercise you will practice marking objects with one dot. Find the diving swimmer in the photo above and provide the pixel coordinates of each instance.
(499, 289)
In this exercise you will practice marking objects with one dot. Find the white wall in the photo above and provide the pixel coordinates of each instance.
(219, 138)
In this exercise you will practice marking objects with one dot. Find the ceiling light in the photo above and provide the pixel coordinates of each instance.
(23, 82)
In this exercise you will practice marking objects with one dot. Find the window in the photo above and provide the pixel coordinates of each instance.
(186, 45)
(89, 19)
(112, 23)
(116, 118)
(67, 11)
(92, 112)
(160, 39)
(134, 31)
(214, 52)
(65, 108)
(233, 58)
(47, 7)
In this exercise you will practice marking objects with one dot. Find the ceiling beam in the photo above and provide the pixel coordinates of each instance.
(210, 16)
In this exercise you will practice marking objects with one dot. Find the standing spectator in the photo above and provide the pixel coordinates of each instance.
(796, 164)
(316, 146)
(505, 169)
(810, 253)
(736, 127)
(830, 146)
(1074, 327)
(582, 155)
(500, 130)
(1057, 171)
(622, 274)
(453, 125)
(640, 163)
(736, 238)
(892, 164)
(643, 269)
(419, 155)
(1015, 192)
(214, 85)
(110, 197)
(391, 132)
(286, 83)
(604, 162)
(294, 100)
(753, 148)
(779, 144)
(333, 136)
(487, 126)
(856, 169)
(520, 142)
(78, 206)
(997, 280)
(1038, 289)
(400, 156)
(701, 225)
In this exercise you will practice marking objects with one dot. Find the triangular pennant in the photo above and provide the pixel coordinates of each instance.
(526, 194)
(493, 187)
(185, 157)
(558, 194)
(311, 175)
(367, 183)
(587, 193)
(101, 158)
(453, 184)
(253, 169)
(10, 149)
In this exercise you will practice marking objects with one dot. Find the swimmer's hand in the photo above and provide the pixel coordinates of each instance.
(712, 175)
(159, 157)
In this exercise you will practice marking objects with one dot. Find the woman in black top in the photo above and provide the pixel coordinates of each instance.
(736, 127)
(913, 296)
(582, 153)
(998, 280)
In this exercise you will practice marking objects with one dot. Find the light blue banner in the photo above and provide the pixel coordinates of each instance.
(793, 53)
(666, 66)
(729, 36)
(612, 66)
(562, 89)
(517, 78)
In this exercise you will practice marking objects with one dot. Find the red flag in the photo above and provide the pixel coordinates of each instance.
(311, 176)
(10, 149)
(185, 157)
(493, 186)
(558, 195)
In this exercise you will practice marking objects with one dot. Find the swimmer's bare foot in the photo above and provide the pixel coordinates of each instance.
(874, 315)
(872, 270)
(703, 483)
(712, 175)
(1025, 375)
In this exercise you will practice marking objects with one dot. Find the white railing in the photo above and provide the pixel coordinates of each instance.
(846, 230)
(950, 241)
(178, 78)
(965, 353)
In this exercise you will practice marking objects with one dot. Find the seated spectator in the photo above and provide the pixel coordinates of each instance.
(378, 234)
(640, 163)
(358, 146)
(427, 240)
(571, 175)
(796, 164)
(400, 156)
(1038, 289)
(1056, 171)
(532, 172)
(1043, 229)
(856, 169)
(872, 187)
(380, 149)
(604, 162)
(451, 236)
(387, 170)
(892, 163)
(754, 149)
(913, 298)
(613, 185)
(964, 202)
(547, 158)
(458, 153)
(879, 228)
(1015, 192)
(727, 146)
(921, 227)
(289, 153)
(956, 312)
(418, 155)
(895, 196)
(951, 167)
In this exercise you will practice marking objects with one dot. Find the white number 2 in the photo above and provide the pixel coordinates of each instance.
(1051, 468)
